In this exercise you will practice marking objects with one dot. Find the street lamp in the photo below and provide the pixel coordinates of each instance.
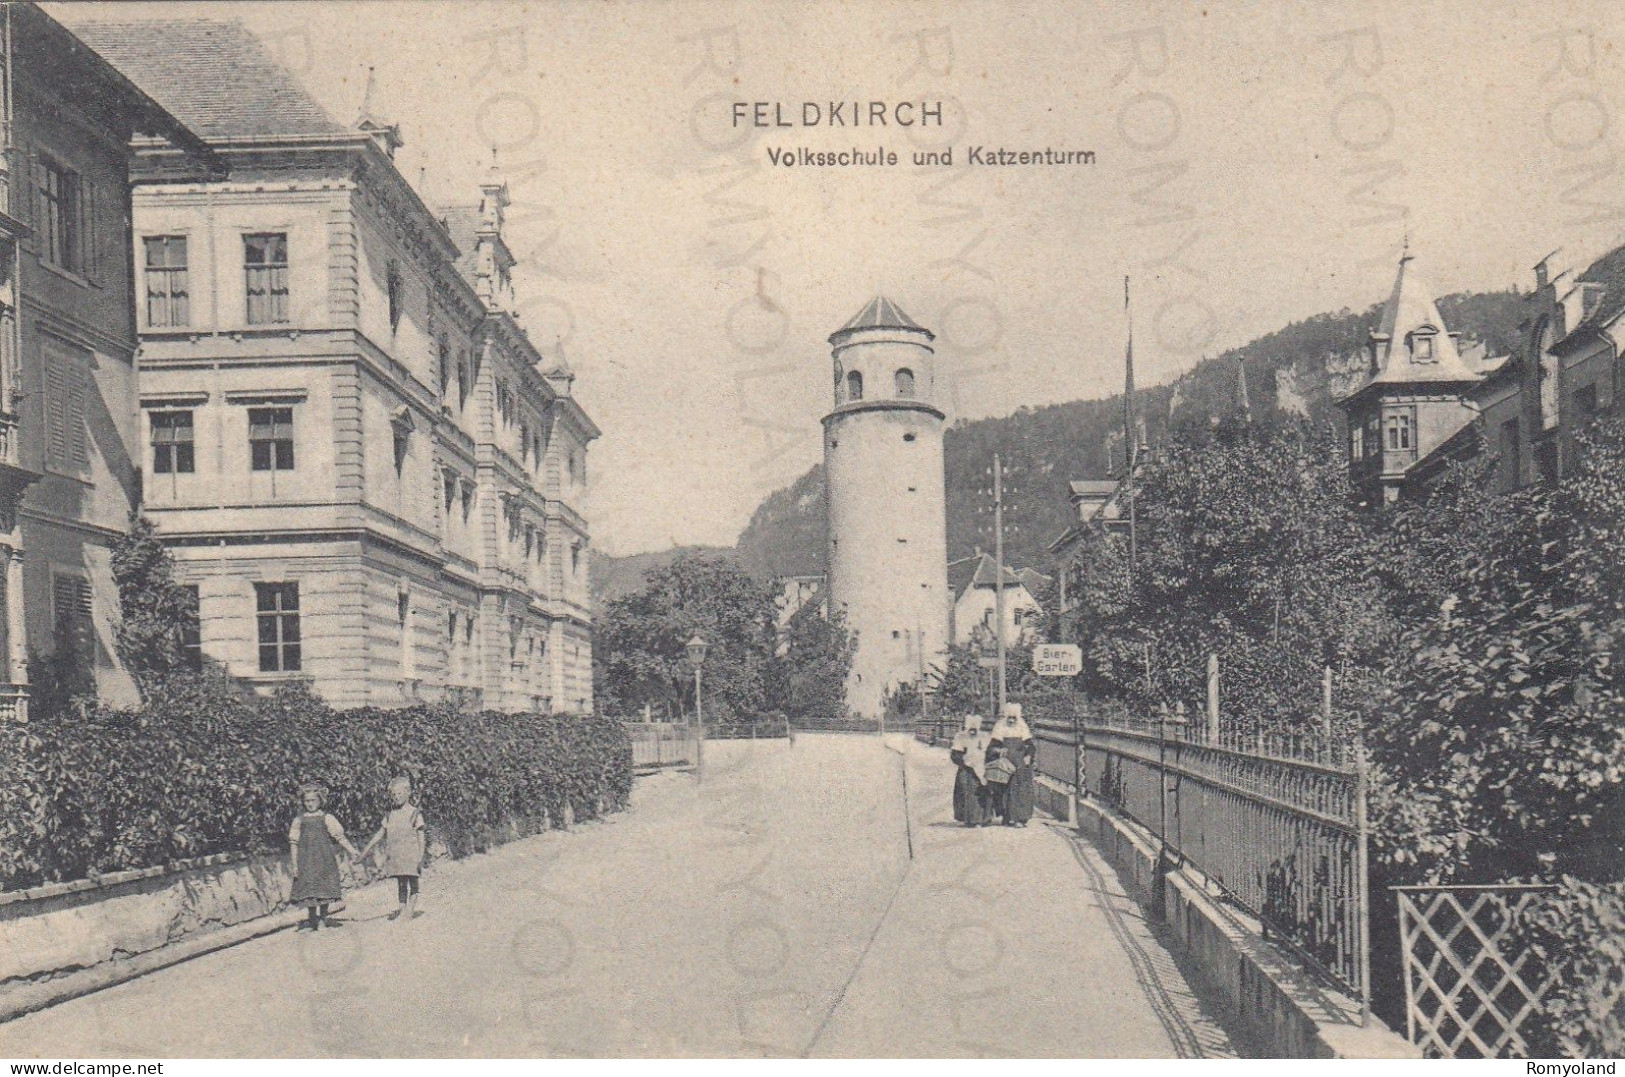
(696, 649)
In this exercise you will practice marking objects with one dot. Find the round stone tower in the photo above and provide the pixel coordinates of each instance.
(887, 540)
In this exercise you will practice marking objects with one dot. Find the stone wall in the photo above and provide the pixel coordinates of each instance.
(51, 931)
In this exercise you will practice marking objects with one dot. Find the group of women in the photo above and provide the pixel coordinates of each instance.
(994, 779)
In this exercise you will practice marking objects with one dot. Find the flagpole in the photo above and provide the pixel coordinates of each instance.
(1131, 448)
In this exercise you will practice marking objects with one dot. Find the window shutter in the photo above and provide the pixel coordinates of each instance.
(78, 399)
(56, 411)
(62, 601)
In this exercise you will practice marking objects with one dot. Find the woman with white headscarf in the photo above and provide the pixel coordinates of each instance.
(1012, 741)
(969, 753)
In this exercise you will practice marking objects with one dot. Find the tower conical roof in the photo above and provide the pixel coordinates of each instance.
(1398, 357)
(1411, 307)
(881, 313)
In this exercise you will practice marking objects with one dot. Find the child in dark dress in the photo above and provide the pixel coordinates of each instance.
(313, 840)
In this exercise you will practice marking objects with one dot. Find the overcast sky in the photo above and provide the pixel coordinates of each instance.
(692, 284)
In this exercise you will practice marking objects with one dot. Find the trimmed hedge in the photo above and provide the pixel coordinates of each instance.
(204, 768)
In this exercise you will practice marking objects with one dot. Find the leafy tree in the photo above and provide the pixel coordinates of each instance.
(809, 672)
(1249, 547)
(638, 651)
(154, 610)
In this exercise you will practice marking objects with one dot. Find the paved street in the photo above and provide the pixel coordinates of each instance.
(774, 910)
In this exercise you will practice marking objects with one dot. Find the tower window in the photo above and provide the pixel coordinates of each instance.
(854, 385)
(904, 379)
(1399, 432)
(1422, 347)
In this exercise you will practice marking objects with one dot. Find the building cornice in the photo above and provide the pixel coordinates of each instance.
(894, 404)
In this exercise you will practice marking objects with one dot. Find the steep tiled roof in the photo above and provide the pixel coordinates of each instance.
(979, 570)
(215, 76)
(1092, 487)
(47, 49)
(1410, 307)
(881, 313)
(1033, 580)
(1609, 271)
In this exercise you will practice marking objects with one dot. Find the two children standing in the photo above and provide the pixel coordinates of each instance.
(316, 836)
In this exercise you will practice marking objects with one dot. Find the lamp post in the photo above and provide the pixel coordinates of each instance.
(696, 648)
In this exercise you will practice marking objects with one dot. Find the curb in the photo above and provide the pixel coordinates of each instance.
(18, 1001)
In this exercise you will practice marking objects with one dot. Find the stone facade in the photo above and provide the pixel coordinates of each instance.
(368, 472)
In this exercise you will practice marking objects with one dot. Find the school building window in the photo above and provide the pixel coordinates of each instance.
(277, 609)
(1511, 462)
(265, 265)
(168, 286)
(62, 216)
(173, 451)
(270, 439)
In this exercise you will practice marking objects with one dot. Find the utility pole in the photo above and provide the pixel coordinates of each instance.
(998, 575)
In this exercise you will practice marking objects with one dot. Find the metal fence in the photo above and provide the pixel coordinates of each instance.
(1056, 724)
(1277, 823)
(1469, 987)
(661, 744)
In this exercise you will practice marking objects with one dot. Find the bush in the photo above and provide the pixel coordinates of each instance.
(1577, 935)
(203, 767)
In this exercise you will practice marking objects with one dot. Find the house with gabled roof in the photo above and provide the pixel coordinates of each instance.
(1568, 372)
(68, 431)
(975, 601)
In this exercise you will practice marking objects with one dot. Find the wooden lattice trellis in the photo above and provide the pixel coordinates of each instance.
(1466, 996)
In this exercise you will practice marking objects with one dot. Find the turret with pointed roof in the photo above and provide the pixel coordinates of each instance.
(1414, 407)
(1410, 345)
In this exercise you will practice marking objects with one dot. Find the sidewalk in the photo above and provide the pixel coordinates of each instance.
(1010, 942)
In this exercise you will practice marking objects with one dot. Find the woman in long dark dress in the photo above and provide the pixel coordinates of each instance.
(1012, 740)
(969, 753)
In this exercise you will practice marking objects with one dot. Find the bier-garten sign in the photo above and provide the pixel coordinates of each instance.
(1057, 659)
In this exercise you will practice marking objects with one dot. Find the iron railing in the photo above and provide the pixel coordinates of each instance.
(1469, 987)
(662, 744)
(1056, 724)
(1276, 823)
